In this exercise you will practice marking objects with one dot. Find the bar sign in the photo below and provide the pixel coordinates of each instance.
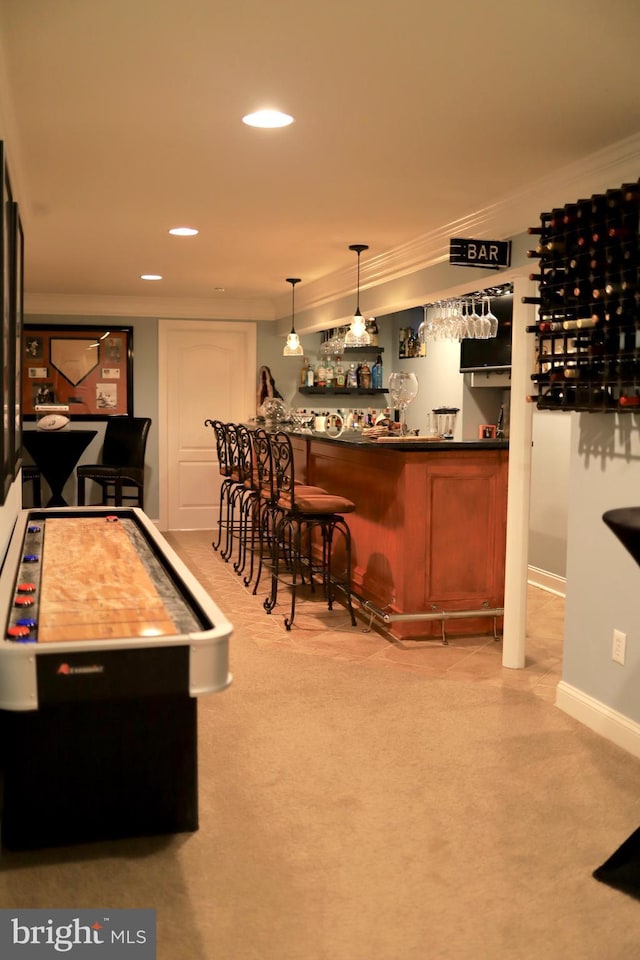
(486, 254)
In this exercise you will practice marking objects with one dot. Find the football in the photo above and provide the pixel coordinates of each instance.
(53, 421)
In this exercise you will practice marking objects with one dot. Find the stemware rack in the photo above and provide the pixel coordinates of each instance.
(588, 327)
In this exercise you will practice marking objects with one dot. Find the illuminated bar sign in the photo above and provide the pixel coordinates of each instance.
(487, 254)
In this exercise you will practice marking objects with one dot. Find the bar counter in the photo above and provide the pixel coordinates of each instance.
(429, 529)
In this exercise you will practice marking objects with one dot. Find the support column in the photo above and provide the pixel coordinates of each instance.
(520, 432)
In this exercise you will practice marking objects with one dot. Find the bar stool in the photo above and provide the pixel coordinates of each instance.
(245, 495)
(264, 509)
(300, 511)
(225, 471)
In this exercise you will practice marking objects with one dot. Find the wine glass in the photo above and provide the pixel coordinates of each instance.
(493, 320)
(475, 321)
(403, 387)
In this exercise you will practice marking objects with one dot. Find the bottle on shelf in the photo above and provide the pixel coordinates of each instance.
(321, 375)
(339, 374)
(329, 373)
(377, 374)
(372, 329)
(352, 376)
(304, 373)
(365, 375)
(310, 375)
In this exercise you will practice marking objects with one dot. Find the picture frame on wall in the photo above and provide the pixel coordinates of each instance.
(7, 424)
(88, 368)
(18, 321)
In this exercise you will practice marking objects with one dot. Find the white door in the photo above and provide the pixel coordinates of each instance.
(206, 370)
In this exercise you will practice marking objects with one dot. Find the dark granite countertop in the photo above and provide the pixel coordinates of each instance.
(352, 438)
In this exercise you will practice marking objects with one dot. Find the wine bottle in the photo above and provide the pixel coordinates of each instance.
(548, 249)
(553, 278)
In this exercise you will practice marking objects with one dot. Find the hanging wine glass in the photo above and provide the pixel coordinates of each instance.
(484, 320)
(403, 388)
(475, 321)
(493, 320)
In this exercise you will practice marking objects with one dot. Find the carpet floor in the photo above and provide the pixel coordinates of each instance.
(352, 808)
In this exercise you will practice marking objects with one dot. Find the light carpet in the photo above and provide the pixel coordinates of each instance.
(353, 812)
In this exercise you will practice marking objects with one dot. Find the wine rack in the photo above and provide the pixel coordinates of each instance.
(588, 328)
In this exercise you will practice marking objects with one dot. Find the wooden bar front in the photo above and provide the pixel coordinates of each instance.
(429, 530)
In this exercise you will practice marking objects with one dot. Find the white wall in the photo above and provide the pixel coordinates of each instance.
(550, 491)
(603, 581)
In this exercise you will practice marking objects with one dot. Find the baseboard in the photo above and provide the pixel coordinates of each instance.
(597, 716)
(550, 582)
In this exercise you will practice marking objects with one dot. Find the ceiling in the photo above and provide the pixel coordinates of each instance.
(123, 119)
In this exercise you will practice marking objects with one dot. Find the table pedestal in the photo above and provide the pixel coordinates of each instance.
(56, 454)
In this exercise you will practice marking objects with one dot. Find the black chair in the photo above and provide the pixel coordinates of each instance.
(31, 474)
(125, 442)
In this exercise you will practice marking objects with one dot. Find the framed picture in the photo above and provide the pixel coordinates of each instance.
(487, 431)
(89, 368)
(17, 312)
(7, 423)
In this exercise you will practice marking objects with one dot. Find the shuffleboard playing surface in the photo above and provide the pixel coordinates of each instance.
(95, 585)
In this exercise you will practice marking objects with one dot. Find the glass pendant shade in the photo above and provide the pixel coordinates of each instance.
(357, 335)
(293, 347)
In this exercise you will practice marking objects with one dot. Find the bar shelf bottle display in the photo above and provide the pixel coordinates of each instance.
(588, 304)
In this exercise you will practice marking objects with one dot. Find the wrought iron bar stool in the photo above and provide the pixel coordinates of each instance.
(228, 481)
(299, 512)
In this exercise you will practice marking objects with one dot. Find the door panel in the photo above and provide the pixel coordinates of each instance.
(207, 370)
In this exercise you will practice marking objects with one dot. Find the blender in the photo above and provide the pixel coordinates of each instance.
(444, 421)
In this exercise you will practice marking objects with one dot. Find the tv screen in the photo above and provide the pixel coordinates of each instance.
(494, 353)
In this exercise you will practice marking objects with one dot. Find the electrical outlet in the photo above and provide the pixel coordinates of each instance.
(619, 646)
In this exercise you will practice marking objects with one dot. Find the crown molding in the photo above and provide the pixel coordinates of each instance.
(105, 306)
(501, 220)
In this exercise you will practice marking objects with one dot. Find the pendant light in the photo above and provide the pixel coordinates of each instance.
(357, 335)
(293, 347)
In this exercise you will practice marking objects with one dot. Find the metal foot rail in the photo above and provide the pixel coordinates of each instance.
(442, 615)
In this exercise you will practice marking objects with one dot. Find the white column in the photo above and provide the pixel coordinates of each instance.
(515, 594)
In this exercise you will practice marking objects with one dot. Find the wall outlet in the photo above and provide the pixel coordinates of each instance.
(619, 646)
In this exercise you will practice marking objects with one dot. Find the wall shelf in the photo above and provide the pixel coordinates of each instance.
(342, 391)
(369, 349)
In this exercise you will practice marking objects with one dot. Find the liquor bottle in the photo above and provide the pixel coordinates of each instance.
(352, 376)
(329, 373)
(303, 372)
(372, 330)
(376, 374)
(321, 375)
(365, 375)
(339, 374)
(310, 376)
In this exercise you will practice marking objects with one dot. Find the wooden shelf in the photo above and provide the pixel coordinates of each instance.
(368, 349)
(341, 391)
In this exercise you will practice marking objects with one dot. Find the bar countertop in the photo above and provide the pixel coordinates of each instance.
(353, 438)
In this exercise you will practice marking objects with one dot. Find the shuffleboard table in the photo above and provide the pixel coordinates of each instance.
(108, 642)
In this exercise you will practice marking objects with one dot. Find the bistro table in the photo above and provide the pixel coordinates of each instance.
(56, 454)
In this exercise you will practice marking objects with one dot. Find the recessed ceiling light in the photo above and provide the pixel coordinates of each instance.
(150, 276)
(183, 231)
(267, 118)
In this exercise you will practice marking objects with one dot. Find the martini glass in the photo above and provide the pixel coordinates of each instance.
(403, 387)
